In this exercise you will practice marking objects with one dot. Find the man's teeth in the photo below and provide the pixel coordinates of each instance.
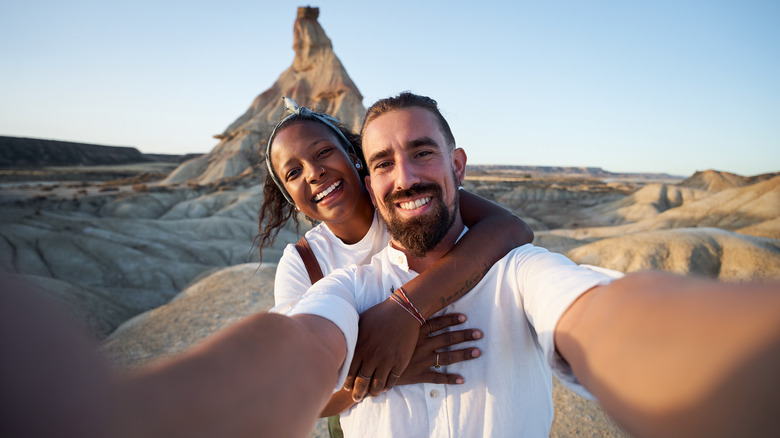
(327, 191)
(411, 205)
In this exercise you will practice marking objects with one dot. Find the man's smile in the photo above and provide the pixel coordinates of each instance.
(411, 205)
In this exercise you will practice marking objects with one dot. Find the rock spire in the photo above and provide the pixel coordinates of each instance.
(316, 79)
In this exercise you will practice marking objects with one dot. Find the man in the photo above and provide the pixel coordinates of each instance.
(537, 309)
(415, 170)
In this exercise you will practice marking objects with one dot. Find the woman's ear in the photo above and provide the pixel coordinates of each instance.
(356, 161)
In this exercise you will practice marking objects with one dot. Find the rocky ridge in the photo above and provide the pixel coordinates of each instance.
(36, 152)
(513, 171)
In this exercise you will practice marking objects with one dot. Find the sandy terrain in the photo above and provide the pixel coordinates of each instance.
(154, 268)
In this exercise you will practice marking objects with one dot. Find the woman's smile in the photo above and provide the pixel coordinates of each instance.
(333, 187)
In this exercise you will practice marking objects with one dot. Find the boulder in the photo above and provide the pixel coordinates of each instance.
(211, 302)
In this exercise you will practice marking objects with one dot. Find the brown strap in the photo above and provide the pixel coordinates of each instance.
(309, 260)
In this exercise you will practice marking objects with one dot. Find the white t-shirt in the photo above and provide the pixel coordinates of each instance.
(508, 390)
(292, 279)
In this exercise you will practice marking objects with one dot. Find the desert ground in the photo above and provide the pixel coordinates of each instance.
(150, 268)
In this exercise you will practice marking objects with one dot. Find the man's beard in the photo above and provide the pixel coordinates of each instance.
(420, 234)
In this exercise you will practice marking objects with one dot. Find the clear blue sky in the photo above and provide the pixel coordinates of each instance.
(660, 86)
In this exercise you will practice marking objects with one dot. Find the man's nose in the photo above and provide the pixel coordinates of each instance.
(406, 175)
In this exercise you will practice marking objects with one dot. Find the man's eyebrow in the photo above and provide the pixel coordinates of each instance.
(416, 143)
(378, 155)
(422, 141)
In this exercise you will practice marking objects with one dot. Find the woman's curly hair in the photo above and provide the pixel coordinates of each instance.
(275, 210)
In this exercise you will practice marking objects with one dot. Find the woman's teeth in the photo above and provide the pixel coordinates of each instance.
(327, 191)
(414, 204)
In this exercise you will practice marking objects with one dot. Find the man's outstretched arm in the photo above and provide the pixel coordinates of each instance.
(668, 356)
(247, 380)
(269, 375)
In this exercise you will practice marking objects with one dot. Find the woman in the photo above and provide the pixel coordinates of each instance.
(315, 166)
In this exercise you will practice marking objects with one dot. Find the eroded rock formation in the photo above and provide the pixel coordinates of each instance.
(316, 79)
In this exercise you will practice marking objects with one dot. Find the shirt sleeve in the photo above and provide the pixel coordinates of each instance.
(291, 281)
(333, 298)
(550, 283)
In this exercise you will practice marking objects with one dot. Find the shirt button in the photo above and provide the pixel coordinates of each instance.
(435, 394)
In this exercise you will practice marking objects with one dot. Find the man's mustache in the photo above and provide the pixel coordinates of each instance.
(415, 190)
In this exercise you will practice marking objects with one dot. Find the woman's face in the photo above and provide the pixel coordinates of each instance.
(316, 171)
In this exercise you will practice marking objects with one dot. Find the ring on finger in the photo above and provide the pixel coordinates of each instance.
(437, 366)
(362, 376)
(395, 375)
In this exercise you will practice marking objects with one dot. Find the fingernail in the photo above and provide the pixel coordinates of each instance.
(476, 353)
(459, 380)
(476, 334)
(462, 318)
(357, 399)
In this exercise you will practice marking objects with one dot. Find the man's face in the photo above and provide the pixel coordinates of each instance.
(414, 177)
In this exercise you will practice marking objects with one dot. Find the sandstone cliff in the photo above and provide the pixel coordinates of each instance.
(316, 79)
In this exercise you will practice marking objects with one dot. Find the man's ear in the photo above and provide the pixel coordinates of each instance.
(370, 191)
(459, 163)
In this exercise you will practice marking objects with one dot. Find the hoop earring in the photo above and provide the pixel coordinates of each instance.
(358, 165)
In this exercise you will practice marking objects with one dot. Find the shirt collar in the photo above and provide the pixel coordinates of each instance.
(398, 258)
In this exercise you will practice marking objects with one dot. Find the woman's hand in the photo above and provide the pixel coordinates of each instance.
(386, 340)
(426, 354)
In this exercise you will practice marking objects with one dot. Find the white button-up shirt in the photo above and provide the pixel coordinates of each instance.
(508, 389)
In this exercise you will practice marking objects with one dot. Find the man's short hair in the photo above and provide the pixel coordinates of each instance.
(408, 100)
